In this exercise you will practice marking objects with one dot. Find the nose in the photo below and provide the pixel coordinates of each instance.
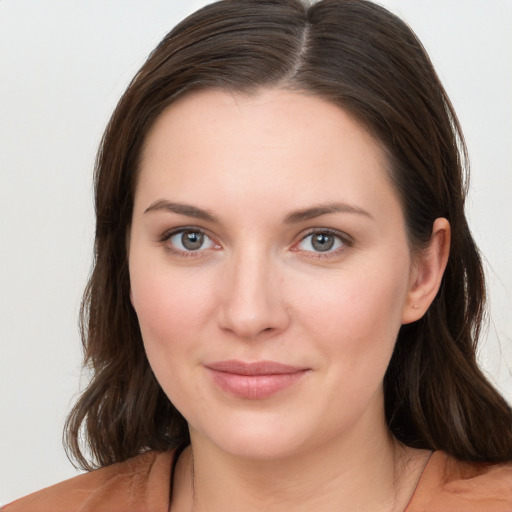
(253, 304)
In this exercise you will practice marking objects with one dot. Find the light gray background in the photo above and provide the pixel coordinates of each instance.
(63, 66)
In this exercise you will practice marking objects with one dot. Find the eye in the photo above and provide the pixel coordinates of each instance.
(189, 240)
(321, 242)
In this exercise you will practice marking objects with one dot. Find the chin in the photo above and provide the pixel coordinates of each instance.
(259, 447)
(257, 436)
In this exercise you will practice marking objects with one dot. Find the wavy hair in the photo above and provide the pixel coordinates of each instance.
(359, 56)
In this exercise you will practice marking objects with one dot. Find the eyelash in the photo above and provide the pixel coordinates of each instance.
(345, 240)
(187, 229)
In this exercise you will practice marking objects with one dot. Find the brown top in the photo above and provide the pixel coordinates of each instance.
(142, 484)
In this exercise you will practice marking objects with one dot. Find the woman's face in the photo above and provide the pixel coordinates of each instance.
(270, 270)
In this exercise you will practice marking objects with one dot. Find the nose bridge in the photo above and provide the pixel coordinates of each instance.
(252, 298)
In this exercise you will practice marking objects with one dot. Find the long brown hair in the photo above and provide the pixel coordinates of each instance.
(359, 56)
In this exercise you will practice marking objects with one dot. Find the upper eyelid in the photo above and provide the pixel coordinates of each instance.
(347, 242)
(174, 231)
(345, 238)
(168, 234)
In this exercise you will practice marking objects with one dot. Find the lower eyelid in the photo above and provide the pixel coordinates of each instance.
(344, 240)
(165, 238)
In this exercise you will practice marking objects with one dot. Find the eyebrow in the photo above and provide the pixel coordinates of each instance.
(292, 218)
(323, 209)
(181, 209)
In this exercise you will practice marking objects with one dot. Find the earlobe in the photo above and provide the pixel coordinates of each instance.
(427, 273)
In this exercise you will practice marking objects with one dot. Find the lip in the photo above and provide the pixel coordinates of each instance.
(254, 380)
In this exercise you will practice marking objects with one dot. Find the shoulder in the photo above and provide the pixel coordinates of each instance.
(450, 484)
(139, 483)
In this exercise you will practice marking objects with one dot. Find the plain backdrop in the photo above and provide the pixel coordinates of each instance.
(63, 66)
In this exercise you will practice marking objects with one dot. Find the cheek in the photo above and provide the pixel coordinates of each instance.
(172, 309)
(355, 317)
(172, 313)
(361, 301)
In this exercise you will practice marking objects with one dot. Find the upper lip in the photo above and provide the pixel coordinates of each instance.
(254, 368)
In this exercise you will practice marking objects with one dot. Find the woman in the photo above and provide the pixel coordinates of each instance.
(286, 297)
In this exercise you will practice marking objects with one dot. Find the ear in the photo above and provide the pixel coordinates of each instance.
(427, 272)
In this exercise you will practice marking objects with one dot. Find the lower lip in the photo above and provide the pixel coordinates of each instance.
(255, 387)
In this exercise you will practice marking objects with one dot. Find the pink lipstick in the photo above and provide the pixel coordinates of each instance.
(255, 380)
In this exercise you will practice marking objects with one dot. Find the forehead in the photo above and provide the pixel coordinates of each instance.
(262, 144)
(268, 112)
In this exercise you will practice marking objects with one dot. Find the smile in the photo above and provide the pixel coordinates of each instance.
(254, 381)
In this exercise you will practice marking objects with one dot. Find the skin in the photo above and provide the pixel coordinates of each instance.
(258, 289)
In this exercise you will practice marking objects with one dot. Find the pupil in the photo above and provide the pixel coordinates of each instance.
(323, 242)
(192, 240)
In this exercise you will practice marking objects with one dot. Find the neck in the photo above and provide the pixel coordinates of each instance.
(357, 472)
